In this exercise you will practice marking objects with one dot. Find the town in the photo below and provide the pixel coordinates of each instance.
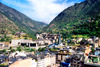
(50, 50)
(49, 33)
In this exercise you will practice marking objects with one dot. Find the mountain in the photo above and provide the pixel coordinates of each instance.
(74, 16)
(12, 21)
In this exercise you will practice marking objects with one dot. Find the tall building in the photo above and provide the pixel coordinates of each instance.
(59, 38)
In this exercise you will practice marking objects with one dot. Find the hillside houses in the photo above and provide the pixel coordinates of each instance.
(20, 33)
(46, 38)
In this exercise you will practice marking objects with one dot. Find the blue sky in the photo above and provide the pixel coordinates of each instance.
(40, 10)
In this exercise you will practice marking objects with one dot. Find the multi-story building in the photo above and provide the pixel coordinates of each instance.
(23, 42)
(46, 60)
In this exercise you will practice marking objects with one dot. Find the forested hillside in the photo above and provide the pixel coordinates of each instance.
(77, 19)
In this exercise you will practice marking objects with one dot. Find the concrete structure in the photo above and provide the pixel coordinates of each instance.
(61, 55)
(47, 37)
(41, 42)
(1, 45)
(15, 56)
(23, 42)
(77, 60)
(46, 60)
(15, 42)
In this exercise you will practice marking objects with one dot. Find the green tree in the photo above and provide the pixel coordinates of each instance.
(5, 35)
(13, 50)
(10, 48)
(2, 39)
(4, 50)
(39, 49)
(19, 48)
(32, 50)
(43, 49)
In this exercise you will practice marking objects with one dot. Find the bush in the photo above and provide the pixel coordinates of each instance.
(53, 49)
(4, 50)
(10, 48)
(13, 50)
(2, 39)
(19, 49)
(32, 50)
(41, 49)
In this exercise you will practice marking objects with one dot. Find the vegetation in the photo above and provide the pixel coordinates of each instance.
(51, 49)
(32, 50)
(14, 21)
(10, 48)
(92, 49)
(4, 64)
(19, 49)
(5, 38)
(81, 19)
(13, 50)
(41, 49)
(3, 51)
(89, 28)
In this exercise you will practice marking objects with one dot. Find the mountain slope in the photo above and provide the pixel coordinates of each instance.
(6, 24)
(18, 21)
(77, 14)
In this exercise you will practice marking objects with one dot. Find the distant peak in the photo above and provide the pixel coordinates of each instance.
(0, 2)
(91, 0)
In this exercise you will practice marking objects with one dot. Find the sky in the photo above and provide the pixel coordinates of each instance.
(40, 10)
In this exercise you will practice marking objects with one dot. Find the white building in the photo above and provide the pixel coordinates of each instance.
(1, 45)
(48, 60)
(44, 42)
(23, 42)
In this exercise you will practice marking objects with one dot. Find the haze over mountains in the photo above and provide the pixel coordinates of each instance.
(12, 21)
(68, 22)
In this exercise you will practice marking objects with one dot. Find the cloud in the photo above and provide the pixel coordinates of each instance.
(47, 10)
(40, 10)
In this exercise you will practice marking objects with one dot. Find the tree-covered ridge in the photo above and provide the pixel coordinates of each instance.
(91, 28)
(74, 16)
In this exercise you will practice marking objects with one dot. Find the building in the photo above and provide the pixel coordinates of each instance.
(23, 42)
(47, 36)
(42, 42)
(15, 42)
(24, 63)
(46, 59)
(15, 56)
(92, 61)
(97, 52)
(1, 45)
(77, 60)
